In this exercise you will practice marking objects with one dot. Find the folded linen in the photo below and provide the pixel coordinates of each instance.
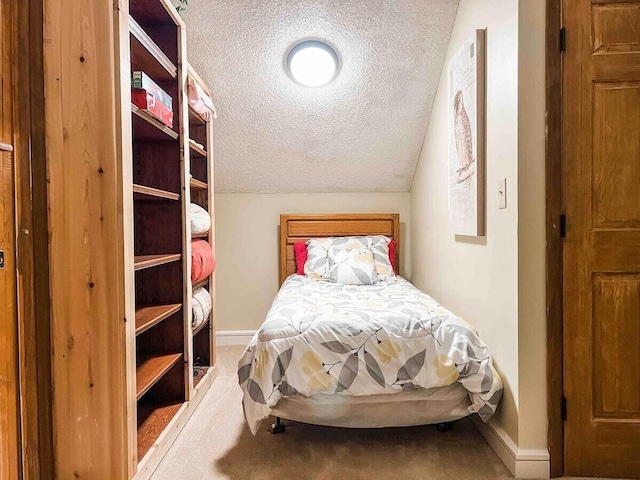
(201, 102)
(201, 306)
(203, 262)
(200, 219)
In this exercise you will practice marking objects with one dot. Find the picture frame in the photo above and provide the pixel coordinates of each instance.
(466, 71)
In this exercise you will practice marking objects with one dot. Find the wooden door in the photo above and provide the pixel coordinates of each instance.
(601, 171)
(10, 460)
(9, 410)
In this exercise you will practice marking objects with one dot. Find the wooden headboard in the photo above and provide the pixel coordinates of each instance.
(300, 228)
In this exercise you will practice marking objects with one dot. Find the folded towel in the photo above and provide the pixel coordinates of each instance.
(200, 220)
(201, 306)
(203, 262)
(201, 102)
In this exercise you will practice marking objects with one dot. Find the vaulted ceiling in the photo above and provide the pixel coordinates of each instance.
(360, 133)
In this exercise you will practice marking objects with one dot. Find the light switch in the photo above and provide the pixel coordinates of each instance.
(502, 193)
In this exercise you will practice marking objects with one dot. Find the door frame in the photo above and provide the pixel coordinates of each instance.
(31, 238)
(554, 209)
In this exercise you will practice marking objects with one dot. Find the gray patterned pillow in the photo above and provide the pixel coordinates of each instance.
(351, 267)
(317, 265)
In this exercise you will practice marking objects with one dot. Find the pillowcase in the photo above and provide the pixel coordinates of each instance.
(351, 267)
(317, 266)
(300, 252)
(381, 255)
(200, 219)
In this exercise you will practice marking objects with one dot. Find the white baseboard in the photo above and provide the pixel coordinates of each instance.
(234, 337)
(522, 463)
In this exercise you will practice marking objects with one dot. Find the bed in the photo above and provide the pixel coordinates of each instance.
(363, 356)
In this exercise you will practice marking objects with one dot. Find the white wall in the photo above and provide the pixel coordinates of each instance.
(497, 282)
(476, 277)
(247, 235)
(532, 312)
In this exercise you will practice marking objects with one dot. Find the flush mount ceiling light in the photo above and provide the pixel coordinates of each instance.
(312, 63)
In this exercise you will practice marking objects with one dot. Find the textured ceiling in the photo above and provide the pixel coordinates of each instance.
(360, 133)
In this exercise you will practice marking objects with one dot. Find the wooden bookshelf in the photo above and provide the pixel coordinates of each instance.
(147, 317)
(195, 119)
(147, 56)
(160, 241)
(196, 184)
(148, 261)
(201, 326)
(196, 149)
(202, 339)
(202, 283)
(142, 192)
(136, 172)
(147, 128)
(151, 369)
(154, 419)
(199, 373)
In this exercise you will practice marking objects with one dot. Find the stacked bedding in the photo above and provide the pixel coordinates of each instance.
(201, 306)
(200, 220)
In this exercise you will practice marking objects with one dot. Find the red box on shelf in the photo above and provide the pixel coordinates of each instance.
(148, 102)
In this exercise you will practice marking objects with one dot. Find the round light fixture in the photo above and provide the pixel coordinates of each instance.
(312, 63)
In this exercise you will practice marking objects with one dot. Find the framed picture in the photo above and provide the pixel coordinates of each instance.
(466, 103)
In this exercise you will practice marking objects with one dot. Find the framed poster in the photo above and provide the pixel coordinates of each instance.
(466, 103)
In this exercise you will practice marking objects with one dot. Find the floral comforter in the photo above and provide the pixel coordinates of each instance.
(322, 337)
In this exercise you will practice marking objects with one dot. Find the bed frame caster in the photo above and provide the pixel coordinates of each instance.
(277, 427)
(445, 426)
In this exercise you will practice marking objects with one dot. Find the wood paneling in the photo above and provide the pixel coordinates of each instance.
(553, 177)
(299, 228)
(10, 451)
(616, 27)
(616, 139)
(616, 345)
(86, 241)
(601, 263)
(339, 228)
(22, 120)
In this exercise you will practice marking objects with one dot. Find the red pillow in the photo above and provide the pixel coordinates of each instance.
(392, 256)
(300, 250)
(203, 262)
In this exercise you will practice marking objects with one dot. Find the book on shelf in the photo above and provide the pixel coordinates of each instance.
(147, 101)
(142, 81)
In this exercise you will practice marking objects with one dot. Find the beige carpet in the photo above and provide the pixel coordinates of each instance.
(216, 444)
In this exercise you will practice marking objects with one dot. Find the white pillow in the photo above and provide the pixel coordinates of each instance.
(351, 267)
(200, 220)
(317, 266)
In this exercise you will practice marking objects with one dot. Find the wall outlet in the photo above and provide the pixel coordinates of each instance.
(502, 193)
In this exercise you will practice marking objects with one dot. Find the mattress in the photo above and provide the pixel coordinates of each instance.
(404, 409)
(322, 338)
